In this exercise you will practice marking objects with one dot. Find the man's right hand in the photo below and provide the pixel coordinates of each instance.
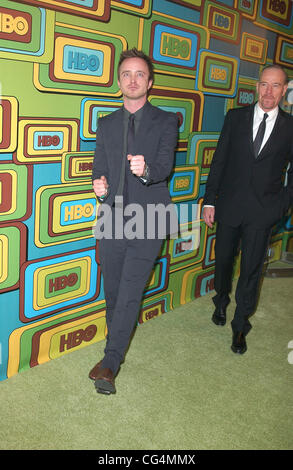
(100, 186)
(208, 215)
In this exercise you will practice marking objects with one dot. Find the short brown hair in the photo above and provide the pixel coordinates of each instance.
(130, 54)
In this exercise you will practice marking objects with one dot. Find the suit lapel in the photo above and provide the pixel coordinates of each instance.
(249, 127)
(117, 135)
(273, 136)
(145, 128)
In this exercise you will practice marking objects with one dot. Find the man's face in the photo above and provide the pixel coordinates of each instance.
(134, 79)
(271, 88)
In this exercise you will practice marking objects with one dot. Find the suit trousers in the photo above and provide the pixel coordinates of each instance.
(253, 244)
(126, 267)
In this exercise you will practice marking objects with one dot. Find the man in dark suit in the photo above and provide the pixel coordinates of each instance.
(245, 194)
(133, 159)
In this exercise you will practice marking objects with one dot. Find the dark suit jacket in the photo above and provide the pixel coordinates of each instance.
(245, 189)
(156, 141)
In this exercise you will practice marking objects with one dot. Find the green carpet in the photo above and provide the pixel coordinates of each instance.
(181, 387)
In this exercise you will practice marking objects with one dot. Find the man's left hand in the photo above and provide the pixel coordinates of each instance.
(137, 164)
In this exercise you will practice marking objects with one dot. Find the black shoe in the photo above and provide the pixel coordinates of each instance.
(239, 345)
(219, 316)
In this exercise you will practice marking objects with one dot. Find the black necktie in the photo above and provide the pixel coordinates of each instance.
(259, 136)
(129, 148)
(130, 135)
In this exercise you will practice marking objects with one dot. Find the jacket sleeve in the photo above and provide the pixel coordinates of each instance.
(100, 166)
(289, 185)
(218, 163)
(160, 168)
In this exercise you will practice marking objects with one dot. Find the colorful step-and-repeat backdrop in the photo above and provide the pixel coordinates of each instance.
(58, 62)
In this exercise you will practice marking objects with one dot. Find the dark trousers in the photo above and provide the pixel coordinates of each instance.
(254, 244)
(126, 267)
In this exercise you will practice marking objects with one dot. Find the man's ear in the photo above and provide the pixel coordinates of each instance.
(285, 89)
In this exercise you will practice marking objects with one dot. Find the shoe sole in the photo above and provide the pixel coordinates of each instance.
(103, 392)
(104, 387)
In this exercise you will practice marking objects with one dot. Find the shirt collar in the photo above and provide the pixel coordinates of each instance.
(260, 112)
(138, 113)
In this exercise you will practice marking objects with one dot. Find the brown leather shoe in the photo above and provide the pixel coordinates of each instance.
(105, 381)
(94, 372)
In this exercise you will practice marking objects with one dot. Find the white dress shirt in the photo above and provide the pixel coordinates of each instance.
(270, 122)
(257, 118)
